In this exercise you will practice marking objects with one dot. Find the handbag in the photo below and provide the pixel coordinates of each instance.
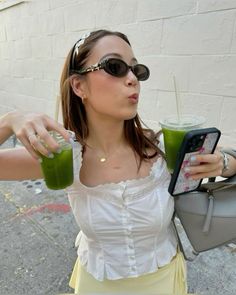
(208, 215)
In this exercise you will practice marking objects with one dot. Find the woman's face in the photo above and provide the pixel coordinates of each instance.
(107, 96)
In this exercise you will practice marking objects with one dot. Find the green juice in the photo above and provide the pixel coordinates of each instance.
(172, 142)
(58, 171)
(174, 130)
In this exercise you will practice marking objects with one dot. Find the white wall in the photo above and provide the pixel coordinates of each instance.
(193, 39)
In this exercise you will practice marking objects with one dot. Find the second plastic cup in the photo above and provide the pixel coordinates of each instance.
(58, 171)
(173, 131)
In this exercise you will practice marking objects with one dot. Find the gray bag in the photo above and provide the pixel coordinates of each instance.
(208, 215)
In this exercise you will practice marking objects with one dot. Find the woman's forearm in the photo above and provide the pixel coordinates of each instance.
(18, 164)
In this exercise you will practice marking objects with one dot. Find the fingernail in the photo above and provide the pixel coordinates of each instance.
(186, 169)
(187, 175)
(193, 158)
(184, 164)
(50, 156)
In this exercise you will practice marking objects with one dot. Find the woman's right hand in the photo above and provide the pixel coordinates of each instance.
(32, 128)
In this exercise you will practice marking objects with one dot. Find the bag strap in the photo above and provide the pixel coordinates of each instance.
(218, 185)
(180, 245)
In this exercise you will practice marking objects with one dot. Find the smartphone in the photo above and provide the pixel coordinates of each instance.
(200, 141)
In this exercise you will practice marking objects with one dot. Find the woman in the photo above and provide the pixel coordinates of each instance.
(119, 196)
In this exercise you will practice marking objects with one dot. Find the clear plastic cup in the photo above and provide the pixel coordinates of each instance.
(58, 171)
(173, 132)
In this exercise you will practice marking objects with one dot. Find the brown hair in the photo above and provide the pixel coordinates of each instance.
(73, 111)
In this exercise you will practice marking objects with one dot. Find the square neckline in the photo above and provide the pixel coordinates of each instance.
(131, 181)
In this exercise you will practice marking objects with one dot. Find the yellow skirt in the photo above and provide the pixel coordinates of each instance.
(169, 279)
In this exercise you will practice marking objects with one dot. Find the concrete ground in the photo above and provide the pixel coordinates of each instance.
(37, 239)
(37, 254)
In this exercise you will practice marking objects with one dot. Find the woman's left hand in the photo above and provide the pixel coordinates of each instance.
(205, 166)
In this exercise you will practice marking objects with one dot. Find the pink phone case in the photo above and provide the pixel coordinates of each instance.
(180, 183)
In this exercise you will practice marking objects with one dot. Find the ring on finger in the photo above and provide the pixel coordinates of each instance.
(32, 134)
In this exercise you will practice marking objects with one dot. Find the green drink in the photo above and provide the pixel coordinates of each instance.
(174, 131)
(58, 171)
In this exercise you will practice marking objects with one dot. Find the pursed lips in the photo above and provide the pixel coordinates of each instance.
(134, 97)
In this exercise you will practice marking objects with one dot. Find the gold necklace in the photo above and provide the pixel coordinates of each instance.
(102, 159)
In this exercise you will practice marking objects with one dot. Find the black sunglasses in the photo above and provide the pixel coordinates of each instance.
(117, 68)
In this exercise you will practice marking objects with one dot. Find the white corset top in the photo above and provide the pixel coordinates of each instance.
(125, 227)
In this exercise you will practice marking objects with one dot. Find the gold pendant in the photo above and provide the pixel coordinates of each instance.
(102, 160)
